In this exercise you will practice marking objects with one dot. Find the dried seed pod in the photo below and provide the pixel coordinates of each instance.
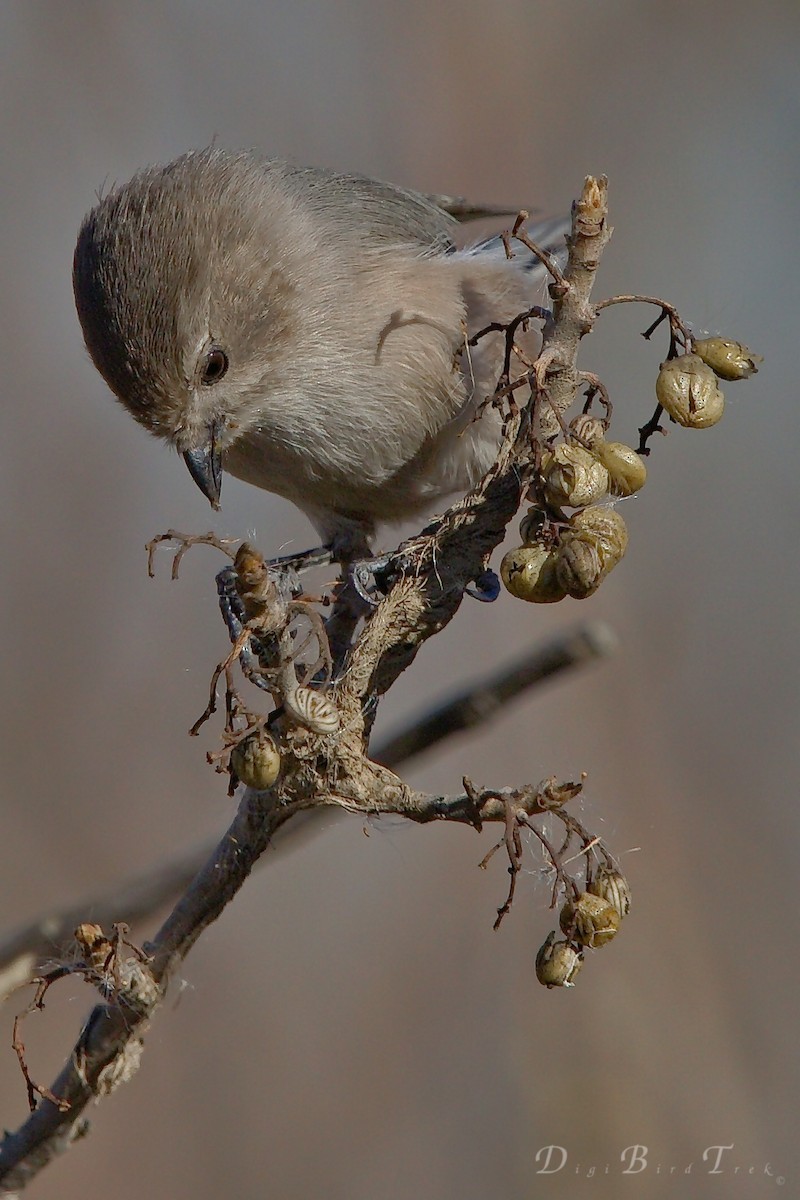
(256, 761)
(312, 709)
(608, 529)
(554, 794)
(255, 586)
(529, 573)
(594, 543)
(612, 886)
(574, 478)
(557, 963)
(626, 470)
(688, 390)
(579, 568)
(729, 360)
(531, 525)
(591, 920)
(93, 943)
(116, 974)
(591, 430)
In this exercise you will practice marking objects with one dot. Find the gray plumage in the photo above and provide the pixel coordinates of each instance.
(303, 329)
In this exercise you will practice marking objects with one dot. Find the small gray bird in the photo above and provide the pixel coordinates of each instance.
(307, 331)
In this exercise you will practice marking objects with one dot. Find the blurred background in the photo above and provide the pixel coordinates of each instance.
(352, 1027)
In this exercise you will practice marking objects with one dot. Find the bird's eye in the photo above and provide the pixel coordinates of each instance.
(215, 364)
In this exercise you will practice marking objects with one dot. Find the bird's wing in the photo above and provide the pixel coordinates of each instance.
(465, 210)
(380, 211)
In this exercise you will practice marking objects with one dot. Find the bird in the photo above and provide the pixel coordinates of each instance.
(304, 330)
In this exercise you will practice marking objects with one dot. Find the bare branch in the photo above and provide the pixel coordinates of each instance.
(109, 1046)
(23, 949)
(49, 936)
(323, 730)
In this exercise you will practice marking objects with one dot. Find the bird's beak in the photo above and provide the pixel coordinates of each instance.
(205, 466)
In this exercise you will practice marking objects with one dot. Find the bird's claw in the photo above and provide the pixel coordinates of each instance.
(370, 575)
(379, 574)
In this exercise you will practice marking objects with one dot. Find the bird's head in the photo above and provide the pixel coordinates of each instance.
(187, 303)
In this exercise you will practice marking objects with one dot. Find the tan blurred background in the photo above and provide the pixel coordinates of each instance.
(352, 1028)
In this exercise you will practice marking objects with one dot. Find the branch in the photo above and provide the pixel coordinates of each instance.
(323, 730)
(109, 1047)
(51, 935)
(22, 950)
(110, 1044)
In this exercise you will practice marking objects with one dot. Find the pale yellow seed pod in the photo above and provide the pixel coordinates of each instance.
(591, 920)
(626, 470)
(607, 527)
(688, 390)
(594, 543)
(256, 761)
(729, 360)
(557, 963)
(529, 573)
(574, 478)
(612, 886)
(579, 568)
(312, 709)
(591, 430)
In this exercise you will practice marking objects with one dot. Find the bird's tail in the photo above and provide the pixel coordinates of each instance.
(549, 235)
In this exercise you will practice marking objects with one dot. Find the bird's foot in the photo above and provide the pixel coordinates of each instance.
(375, 577)
(289, 567)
